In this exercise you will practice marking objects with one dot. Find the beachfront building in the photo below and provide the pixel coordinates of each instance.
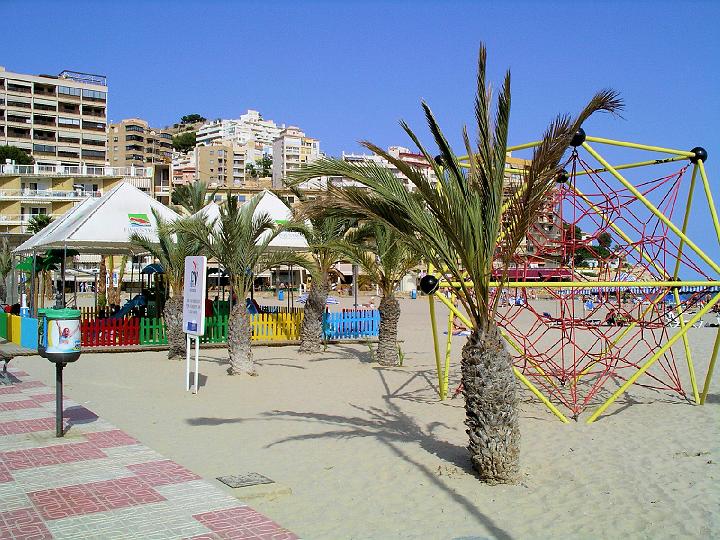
(133, 142)
(28, 190)
(405, 154)
(291, 150)
(60, 120)
(249, 127)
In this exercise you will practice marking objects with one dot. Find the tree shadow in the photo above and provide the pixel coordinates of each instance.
(712, 398)
(208, 421)
(392, 426)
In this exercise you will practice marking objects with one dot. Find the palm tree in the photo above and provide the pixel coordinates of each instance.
(469, 227)
(239, 240)
(386, 258)
(5, 268)
(191, 198)
(38, 222)
(322, 233)
(170, 250)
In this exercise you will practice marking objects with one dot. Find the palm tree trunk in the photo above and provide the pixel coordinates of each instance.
(173, 326)
(387, 350)
(101, 288)
(491, 406)
(3, 289)
(311, 330)
(239, 337)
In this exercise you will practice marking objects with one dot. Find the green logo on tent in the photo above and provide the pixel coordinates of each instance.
(138, 220)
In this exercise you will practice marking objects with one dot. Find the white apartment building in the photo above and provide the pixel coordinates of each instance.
(250, 127)
(291, 150)
(60, 120)
(405, 154)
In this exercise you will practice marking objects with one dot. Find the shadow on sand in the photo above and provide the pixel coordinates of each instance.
(390, 426)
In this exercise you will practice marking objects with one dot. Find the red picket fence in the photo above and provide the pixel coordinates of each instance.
(110, 332)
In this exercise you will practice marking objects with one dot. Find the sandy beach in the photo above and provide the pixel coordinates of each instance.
(360, 451)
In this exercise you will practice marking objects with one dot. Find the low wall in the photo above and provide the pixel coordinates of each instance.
(19, 330)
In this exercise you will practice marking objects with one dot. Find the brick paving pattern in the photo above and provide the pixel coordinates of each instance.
(100, 482)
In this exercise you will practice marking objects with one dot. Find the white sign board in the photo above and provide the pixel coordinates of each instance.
(194, 296)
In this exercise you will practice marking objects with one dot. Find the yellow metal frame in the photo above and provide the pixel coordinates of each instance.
(672, 282)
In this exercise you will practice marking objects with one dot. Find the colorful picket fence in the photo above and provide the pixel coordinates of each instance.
(110, 332)
(266, 327)
(276, 326)
(351, 324)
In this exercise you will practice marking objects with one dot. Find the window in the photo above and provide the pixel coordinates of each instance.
(68, 91)
(115, 139)
(68, 121)
(241, 198)
(94, 94)
(133, 127)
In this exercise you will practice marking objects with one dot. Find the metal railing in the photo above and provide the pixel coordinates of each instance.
(74, 170)
(9, 219)
(48, 194)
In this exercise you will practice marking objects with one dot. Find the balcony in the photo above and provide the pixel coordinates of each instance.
(44, 149)
(22, 89)
(10, 220)
(76, 171)
(45, 120)
(17, 119)
(18, 104)
(93, 126)
(69, 108)
(47, 195)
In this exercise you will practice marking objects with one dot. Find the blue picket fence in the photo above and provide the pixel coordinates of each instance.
(351, 324)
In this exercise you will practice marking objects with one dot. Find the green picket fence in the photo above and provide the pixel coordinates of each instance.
(152, 331)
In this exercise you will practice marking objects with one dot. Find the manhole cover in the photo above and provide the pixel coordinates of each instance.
(245, 480)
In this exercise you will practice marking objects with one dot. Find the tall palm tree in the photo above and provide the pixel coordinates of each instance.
(239, 240)
(5, 268)
(469, 226)
(322, 233)
(170, 250)
(193, 197)
(386, 258)
(36, 224)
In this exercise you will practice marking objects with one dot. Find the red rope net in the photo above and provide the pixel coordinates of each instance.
(574, 343)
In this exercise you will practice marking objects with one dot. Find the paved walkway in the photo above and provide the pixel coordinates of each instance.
(98, 482)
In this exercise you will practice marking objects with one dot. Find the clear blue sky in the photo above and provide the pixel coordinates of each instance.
(346, 71)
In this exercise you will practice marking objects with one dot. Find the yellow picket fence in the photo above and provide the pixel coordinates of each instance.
(276, 326)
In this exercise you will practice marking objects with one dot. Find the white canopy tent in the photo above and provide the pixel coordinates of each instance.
(271, 205)
(103, 225)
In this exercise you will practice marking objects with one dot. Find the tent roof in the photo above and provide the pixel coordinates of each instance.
(280, 214)
(103, 225)
(277, 210)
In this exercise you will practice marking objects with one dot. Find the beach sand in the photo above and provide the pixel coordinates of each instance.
(370, 452)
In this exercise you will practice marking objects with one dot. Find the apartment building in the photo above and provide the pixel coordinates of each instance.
(134, 142)
(28, 190)
(60, 120)
(415, 159)
(291, 150)
(214, 164)
(249, 127)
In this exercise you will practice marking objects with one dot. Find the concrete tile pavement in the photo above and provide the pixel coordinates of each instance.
(98, 482)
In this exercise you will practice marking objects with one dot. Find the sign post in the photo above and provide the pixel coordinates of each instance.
(194, 311)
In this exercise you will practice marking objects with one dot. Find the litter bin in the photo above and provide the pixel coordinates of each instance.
(413, 294)
(281, 295)
(59, 334)
(59, 342)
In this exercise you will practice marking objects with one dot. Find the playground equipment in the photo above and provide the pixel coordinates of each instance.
(609, 283)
